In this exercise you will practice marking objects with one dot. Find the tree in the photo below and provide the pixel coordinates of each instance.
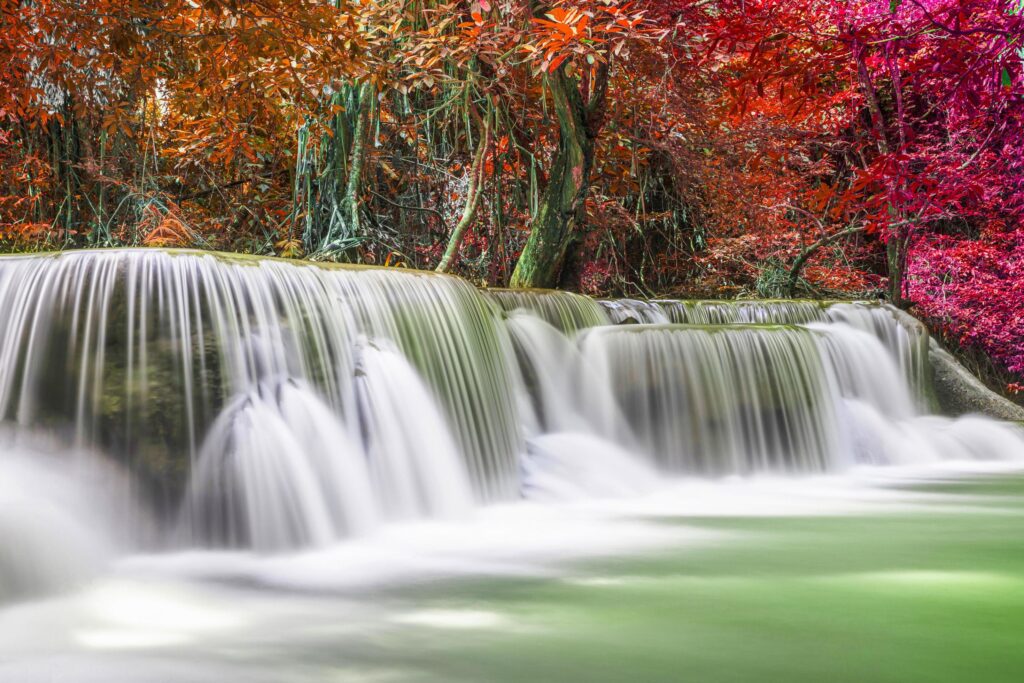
(578, 45)
(912, 95)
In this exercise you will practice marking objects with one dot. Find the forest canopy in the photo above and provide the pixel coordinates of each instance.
(648, 148)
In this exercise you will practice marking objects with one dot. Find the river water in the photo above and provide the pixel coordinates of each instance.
(873, 576)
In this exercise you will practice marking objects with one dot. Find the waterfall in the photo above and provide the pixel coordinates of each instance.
(552, 372)
(277, 471)
(632, 311)
(566, 311)
(731, 312)
(905, 337)
(906, 341)
(735, 398)
(714, 400)
(136, 351)
(414, 460)
(863, 369)
(271, 406)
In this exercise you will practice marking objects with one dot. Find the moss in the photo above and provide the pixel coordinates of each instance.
(690, 327)
(235, 258)
(821, 303)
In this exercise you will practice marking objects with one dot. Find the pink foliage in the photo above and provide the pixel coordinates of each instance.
(960, 168)
(974, 291)
(928, 97)
(955, 126)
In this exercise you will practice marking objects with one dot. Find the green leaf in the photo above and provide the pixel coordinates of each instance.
(1004, 78)
(894, 5)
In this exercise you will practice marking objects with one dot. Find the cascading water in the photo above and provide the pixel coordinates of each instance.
(263, 405)
(906, 341)
(719, 399)
(278, 471)
(553, 372)
(733, 312)
(905, 337)
(565, 311)
(414, 461)
(137, 351)
(715, 400)
(635, 312)
(862, 369)
(258, 404)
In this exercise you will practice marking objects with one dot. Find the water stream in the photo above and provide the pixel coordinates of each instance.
(203, 455)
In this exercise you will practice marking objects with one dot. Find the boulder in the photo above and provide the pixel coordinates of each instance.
(959, 392)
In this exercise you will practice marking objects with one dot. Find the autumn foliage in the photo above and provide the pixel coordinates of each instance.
(735, 147)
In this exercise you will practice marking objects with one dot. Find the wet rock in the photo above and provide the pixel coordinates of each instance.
(959, 392)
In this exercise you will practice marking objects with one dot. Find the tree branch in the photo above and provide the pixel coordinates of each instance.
(801, 261)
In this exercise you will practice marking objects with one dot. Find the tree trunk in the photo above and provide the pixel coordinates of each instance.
(896, 259)
(474, 195)
(554, 224)
(355, 170)
(898, 241)
(806, 254)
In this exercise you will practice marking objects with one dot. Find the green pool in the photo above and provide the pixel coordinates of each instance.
(896, 578)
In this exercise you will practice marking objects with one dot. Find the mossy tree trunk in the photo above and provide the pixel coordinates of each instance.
(580, 109)
(355, 171)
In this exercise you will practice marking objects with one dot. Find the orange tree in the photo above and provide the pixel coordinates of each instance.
(116, 114)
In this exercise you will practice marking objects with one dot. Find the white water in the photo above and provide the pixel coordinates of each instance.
(577, 466)
(262, 411)
(62, 517)
(416, 466)
(278, 471)
(352, 611)
(137, 351)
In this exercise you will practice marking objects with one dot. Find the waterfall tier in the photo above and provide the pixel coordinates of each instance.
(727, 399)
(566, 311)
(137, 351)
